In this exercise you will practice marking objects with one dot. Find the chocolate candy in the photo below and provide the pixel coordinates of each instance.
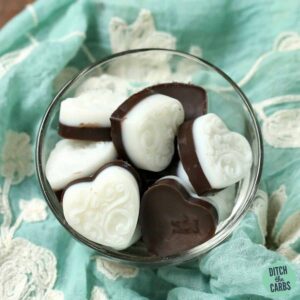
(193, 98)
(71, 159)
(143, 130)
(212, 156)
(105, 207)
(86, 117)
(84, 133)
(172, 221)
(152, 129)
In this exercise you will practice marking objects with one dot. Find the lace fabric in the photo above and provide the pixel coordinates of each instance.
(31, 271)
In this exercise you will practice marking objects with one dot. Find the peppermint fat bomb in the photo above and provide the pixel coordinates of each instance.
(144, 166)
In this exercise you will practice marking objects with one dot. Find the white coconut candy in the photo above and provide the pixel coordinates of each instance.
(149, 129)
(91, 109)
(71, 160)
(224, 156)
(105, 210)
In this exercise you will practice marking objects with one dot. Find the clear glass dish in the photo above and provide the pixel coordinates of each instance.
(145, 67)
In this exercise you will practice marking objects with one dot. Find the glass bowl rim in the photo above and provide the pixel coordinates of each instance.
(152, 261)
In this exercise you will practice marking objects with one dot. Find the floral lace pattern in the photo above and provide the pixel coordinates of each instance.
(9, 60)
(260, 208)
(143, 34)
(27, 271)
(282, 128)
(113, 270)
(16, 158)
(98, 294)
(33, 210)
(140, 34)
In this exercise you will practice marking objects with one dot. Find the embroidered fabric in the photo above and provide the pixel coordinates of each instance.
(113, 270)
(98, 294)
(27, 271)
(260, 208)
(282, 128)
(143, 34)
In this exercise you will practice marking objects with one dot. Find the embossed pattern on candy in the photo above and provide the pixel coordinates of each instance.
(109, 203)
(105, 208)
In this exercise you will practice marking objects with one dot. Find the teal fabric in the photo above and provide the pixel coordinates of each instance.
(232, 35)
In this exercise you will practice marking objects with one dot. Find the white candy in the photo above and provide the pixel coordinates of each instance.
(105, 210)
(184, 178)
(223, 201)
(104, 82)
(225, 156)
(149, 129)
(71, 159)
(91, 109)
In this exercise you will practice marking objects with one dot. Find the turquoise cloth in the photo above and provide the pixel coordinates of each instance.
(47, 44)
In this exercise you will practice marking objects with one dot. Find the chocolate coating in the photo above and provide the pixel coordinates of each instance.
(58, 195)
(189, 159)
(84, 133)
(118, 163)
(193, 99)
(172, 221)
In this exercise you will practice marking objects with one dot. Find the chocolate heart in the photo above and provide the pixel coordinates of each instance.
(192, 97)
(143, 130)
(87, 127)
(105, 207)
(86, 116)
(172, 220)
(154, 139)
(212, 156)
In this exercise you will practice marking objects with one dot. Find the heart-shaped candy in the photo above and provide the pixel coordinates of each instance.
(86, 117)
(172, 220)
(71, 160)
(143, 130)
(105, 208)
(192, 97)
(212, 156)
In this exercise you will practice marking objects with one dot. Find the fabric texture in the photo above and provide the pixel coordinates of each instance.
(257, 43)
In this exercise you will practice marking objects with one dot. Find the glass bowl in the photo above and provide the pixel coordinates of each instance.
(145, 67)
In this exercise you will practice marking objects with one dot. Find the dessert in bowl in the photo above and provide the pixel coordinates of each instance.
(150, 156)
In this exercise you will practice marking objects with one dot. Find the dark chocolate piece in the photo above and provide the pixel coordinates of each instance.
(172, 221)
(193, 99)
(84, 133)
(59, 194)
(189, 159)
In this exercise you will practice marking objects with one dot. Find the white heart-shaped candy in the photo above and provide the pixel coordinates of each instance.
(106, 209)
(90, 109)
(72, 159)
(225, 156)
(149, 129)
